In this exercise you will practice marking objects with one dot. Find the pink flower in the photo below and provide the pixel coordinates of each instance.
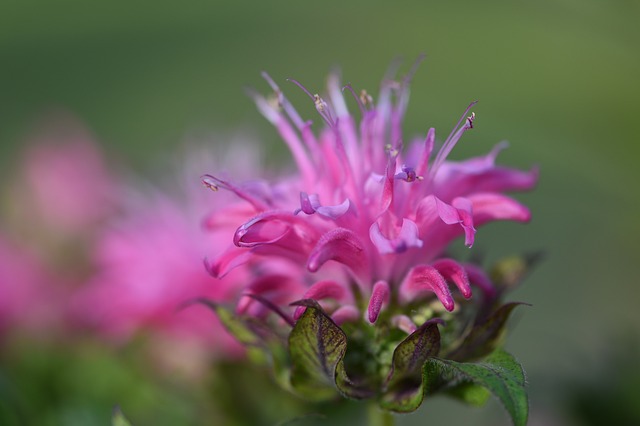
(68, 187)
(29, 300)
(149, 263)
(366, 207)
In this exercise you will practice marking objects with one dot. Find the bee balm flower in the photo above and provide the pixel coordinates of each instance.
(364, 210)
(357, 237)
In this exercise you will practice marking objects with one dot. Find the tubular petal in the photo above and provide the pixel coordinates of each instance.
(389, 182)
(425, 277)
(227, 217)
(453, 271)
(227, 261)
(276, 288)
(423, 164)
(270, 227)
(379, 296)
(407, 238)
(459, 212)
(458, 178)
(465, 210)
(321, 290)
(341, 245)
(345, 313)
(479, 278)
(488, 207)
(404, 323)
(310, 204)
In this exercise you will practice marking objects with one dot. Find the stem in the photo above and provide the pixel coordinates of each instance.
(379, 417)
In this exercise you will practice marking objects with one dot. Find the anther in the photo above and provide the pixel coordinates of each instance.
(366, 99)
(471, 119)
(320, 103)
(210, 182)
(408, 174)
(389, 149)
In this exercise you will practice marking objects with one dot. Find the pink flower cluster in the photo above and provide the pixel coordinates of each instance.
(368, 214)
(88, 252)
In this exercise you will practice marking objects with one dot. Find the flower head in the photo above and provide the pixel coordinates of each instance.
(358, 237)
(366, 210)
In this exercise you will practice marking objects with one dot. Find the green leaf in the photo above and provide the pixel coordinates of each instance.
(404, 390)
(317, 345)
(470, 393)
(499, 373)
(350, 388)
(118, 418)
(485, 337)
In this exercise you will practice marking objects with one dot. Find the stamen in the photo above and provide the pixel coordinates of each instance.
(284, 102)
(275, 101)
(471, 119)
(453, 138)
(215, 184)
(274, 87)
(391, 151)
(414, 68)
(366, 99)
(210, 182)
(321, 105)
(358, 99)
(408, 174)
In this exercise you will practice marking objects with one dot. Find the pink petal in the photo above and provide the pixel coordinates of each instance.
(321, 290)
(465, 210)
(389, 182)
(276, 288)
(310, 204)
(407, 238)
(431, 208)
(227, 261)
(379, 296)
(503, 179)
(447, 213)
(426, 278)
(270, 227)
(341, 245)
(403, 323)
(305, 204)
(334, 212)
(345, 313)
(421, 169)
(478, 277)
(462, 180)
(453, 271)
(488, 207)
(228, 217)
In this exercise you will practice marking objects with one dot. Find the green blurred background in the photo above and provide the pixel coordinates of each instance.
(560, 80)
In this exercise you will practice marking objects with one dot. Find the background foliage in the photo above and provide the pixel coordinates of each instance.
(558, 79)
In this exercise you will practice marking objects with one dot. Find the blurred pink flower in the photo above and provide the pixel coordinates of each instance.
(29, 300)
(149, 263)
(362, 208)
(68, 186)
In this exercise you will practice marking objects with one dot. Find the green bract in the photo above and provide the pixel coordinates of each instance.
(319, 360)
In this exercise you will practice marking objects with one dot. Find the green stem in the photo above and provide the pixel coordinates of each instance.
(379, 417)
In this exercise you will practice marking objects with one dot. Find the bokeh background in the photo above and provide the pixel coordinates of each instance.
(558, 79)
